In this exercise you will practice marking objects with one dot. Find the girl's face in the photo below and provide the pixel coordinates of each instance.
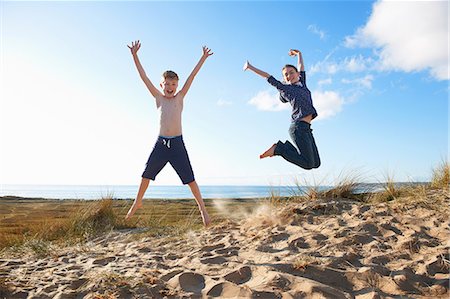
(169, 87)
(290, 75)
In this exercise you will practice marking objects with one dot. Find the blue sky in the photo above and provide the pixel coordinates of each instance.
(74, 111)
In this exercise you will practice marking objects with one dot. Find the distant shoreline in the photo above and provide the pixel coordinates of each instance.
(37, 199)
(127, 192)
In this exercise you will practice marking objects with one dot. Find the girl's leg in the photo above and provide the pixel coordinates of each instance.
(201, 205)
(268, 153)
(308, 155)
(138, 201)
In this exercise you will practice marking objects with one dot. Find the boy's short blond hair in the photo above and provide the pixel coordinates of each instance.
(170, 75)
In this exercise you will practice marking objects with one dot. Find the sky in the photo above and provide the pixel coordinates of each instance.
(73, 109)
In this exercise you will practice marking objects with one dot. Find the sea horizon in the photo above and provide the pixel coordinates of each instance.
(93, 192)
(98, 191)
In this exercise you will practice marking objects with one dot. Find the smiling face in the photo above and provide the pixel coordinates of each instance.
(169, 87)
(169, 83)
(290, 74)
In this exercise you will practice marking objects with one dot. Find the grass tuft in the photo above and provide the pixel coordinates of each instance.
(441, 176)
(348, 186)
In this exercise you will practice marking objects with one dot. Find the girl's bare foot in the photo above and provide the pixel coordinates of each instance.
(269, 153)
(136, 205)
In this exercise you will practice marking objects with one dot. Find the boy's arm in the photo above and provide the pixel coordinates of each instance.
(248, 66)
(135, 46)
(206, 53)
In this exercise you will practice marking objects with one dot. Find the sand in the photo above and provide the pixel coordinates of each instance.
(320, 249)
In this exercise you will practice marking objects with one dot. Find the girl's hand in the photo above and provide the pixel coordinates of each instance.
(293, 52)
(246, 66)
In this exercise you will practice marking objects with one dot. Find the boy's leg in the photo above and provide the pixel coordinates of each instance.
(180, 162)
(201, 204)
(138, 201)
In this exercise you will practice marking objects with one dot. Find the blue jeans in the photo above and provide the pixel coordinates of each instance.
(301, 134)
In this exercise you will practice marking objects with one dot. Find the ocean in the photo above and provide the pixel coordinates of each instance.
(90, 192)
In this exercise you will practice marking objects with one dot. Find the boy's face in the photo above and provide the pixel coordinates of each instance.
(290, 75)
(169, 87)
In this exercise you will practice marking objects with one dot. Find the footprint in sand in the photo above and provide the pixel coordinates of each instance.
(299, 243)
(168, 276)
(188, 282)
(76, 283)
(214, 260)
(242, 275)
(268, 249)
(212, 247)
(228, 290)
(144, 250)
(279, 237)
(227, 252)
(104, 261)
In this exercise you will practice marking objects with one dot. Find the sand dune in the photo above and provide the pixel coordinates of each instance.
(337, 249)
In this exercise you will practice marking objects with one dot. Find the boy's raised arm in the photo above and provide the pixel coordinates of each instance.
(135, 46)
(206, 53)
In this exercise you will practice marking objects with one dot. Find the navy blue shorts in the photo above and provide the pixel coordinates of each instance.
(170, 150)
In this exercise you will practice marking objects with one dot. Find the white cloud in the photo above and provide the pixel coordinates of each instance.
(365, 82)
(324, 66)
(353, 64)
(409, 36)
(314, 29)
(325, 82)
(268, 101)
(356, 64)
(327, 103)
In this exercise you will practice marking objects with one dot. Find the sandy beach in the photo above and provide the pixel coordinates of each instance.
(315, 249)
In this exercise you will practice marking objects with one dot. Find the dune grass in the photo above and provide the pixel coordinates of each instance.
(441, 175)
(37, 226)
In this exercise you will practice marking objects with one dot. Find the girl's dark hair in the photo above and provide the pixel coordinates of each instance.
(289, 65)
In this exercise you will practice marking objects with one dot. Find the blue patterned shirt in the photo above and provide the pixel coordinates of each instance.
(298, 95)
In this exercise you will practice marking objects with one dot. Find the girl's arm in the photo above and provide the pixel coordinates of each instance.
(248, 66)
(300, 64)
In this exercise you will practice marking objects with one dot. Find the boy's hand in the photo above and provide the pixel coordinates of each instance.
(207, 52)
(293, 52)
(135, 46)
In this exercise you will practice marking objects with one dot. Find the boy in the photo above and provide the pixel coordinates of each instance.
(169, 146)
(303, 112)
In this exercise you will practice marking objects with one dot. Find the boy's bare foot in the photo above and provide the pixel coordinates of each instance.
(269, 153)
(136, 205)
(206, 219)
